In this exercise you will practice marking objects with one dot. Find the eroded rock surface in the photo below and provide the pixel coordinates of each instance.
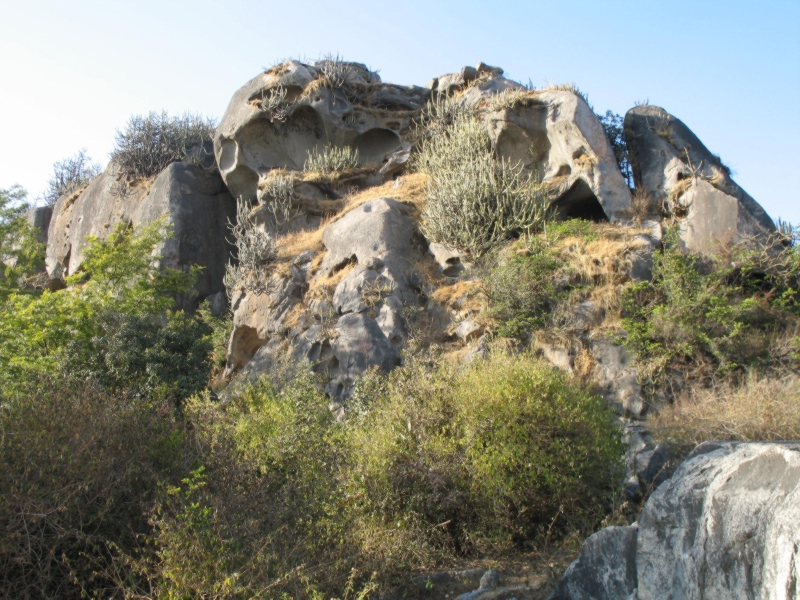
(678, 171)
(361, 325)
(329, 102)
(724, 526)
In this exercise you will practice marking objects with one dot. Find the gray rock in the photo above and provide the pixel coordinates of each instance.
(605, 569)
(491, 579)
(675, 168)
(193, 199)
(358, 345)
(724, 526)
(560, 139)
(616, 376)
(248, 142)
(451, 262)
(39, 218)
(467, 331)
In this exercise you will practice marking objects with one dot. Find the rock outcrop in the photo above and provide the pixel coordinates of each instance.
(674, 167)
(345, 331)
(559, 139)
(194, 200)
(276, 118)
(724, 526)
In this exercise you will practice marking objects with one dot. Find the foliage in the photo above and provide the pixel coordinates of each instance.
(277, 195)
(521, 290)
(613, 125)
(150, 143)
(21, 253)
(475, 200)
(274, 104)
(70, 175)
(708, 317)
(143, 357)
(506, 451)
(121, 276)
(78, 470)
(329, 159)
(255, 249)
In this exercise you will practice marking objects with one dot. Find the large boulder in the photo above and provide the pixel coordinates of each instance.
(674, 167)
(558, 138)
(193, 199)
(724, 526)
(359, 325)
(329, 102)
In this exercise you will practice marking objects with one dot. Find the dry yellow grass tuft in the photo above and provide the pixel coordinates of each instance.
(760, 409)
(408, 189)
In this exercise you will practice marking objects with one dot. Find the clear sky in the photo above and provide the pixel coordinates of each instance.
(73, 72)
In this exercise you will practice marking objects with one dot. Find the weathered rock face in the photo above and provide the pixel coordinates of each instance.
(40, 219)
(557, 137)
(677, 170)
(342, 104)
(361, 324)
(724, 526)
(193, 199)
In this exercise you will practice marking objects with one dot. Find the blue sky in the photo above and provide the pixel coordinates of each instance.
(73, 72)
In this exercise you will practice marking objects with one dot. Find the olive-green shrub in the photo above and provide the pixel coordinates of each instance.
(506, 450)
(474, 198)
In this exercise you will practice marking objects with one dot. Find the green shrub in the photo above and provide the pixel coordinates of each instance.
(255, 250)
(474, 199)
(329, 159)
(21, 252)
(150, 143)
(144, 357)
(40, 332)
(521, 290)
(508, 450)
(709, 317)
(613, 125)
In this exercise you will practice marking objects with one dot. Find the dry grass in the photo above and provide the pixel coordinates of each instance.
(410, 190)
(322, 288)
(760, 409)
(510, 99)
(643, 205)
(461, 296)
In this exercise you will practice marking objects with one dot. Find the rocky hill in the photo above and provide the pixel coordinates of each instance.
(476, 217)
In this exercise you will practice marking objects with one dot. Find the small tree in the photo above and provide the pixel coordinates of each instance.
(69, 175)
(613, 125)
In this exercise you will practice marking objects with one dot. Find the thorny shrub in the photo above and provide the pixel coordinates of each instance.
(150, 143)
(329, 159)
(255, 250)
(69, 175)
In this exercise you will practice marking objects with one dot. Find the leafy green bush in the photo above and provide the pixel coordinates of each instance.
(708, 317)
(474, 199)
(613, 125)
(21, 253)
(40, 332)
(150, 143)
(143, 357)
(508, 450)
(522, 291)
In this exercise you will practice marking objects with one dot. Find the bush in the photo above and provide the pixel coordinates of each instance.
(255, 249)
(521, 290)
(69, 175)
(21, 252)
(329, 159)
(143, 357)
(150, 143)
(711, 317)
(475, 200)
(78, 473)
(507, 451)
